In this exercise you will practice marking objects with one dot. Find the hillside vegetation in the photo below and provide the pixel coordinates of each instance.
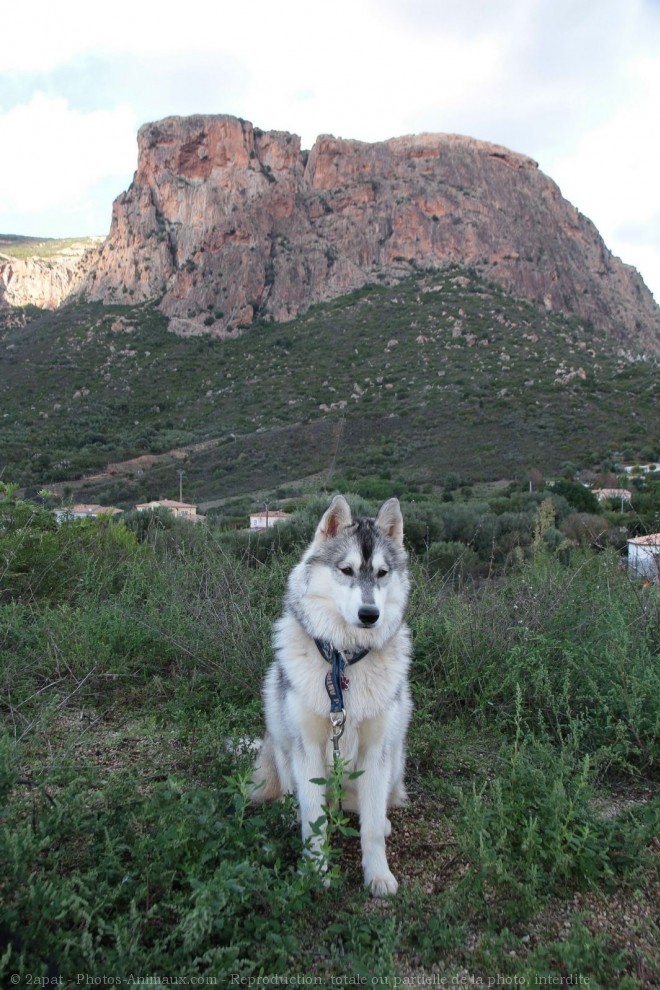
(133, 656)
(441, 373)
(16, 246)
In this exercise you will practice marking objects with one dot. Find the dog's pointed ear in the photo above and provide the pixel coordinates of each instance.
(335, 518)
(390, 520)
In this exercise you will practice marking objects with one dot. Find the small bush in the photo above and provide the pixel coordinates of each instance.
(586, 529)
(578, 641)
(532, 831)
(580, 498)
(453, 560)
(41, 562)
(149, 882)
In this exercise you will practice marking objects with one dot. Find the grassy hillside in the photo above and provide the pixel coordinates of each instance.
(17, 246)
(442, 373)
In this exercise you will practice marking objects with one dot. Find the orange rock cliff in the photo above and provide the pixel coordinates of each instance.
(225, 223)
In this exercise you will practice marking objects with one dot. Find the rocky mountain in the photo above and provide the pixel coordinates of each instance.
(225, 223)
(43, 273)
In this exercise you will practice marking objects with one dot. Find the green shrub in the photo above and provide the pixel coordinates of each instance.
(579, 641)
(453, 560)
(149, 882)
(582, 499)
(374, 489)
(40, 561)
(586, 529)
(533, 831)
(423, 526)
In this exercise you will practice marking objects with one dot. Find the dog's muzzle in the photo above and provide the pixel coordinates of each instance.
(368, 615)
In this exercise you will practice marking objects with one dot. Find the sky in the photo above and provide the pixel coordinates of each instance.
(574, 84)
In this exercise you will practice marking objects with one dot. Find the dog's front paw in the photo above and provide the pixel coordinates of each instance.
(383, 885)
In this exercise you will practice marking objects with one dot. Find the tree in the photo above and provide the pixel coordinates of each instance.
(586, 529)
(580, 498)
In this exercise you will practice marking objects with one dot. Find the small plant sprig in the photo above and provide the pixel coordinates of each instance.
(333, 821)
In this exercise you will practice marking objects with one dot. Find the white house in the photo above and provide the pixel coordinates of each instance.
(644, 557)
(264, 520)
(84, 510)
(182, 510)
(640, 468)
(620, 494)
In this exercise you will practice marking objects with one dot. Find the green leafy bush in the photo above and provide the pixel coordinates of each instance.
(580, 642)
(582, 499)
(452, 559)
(40, 561)
(531, 831)
(134, 882)
(534, 831)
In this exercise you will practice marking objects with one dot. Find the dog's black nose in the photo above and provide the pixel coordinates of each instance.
(368, 615)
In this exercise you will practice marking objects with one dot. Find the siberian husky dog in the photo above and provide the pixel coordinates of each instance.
(344, 608)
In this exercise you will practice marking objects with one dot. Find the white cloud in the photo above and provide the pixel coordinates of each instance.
(369, 99)
(612, 173)
(59, 154)
(41, 35)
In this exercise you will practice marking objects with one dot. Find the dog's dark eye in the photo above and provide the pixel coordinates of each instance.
(348, 571)
(383, 572)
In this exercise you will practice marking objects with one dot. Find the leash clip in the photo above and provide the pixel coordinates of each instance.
(338, 722)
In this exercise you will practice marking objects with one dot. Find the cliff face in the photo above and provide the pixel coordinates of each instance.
(225, 223)
(45, 281)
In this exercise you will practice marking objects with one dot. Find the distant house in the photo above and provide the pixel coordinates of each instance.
(85, 510)
(644, 557)
(640, 468)
(264, 520)
(182, 510)
(620, 494)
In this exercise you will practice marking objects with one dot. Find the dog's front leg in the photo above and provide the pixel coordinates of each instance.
(372, 790)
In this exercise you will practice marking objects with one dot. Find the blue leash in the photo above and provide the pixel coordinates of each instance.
(335, 682)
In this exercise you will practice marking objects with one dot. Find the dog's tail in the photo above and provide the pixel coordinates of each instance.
(266, 784)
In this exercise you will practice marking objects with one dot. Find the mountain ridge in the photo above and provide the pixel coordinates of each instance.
(225, 223)
(317, 309)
